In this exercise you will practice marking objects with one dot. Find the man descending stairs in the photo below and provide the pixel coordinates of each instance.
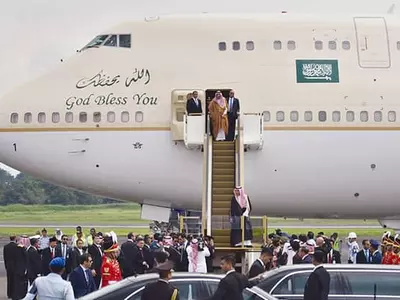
(223, 182)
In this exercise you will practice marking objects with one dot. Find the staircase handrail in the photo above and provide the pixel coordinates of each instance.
(207, 179)
(239, 154)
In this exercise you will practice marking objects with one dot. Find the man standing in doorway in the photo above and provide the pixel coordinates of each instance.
(193, 105)
(233, 110)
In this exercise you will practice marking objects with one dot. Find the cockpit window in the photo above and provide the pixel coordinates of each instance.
(111, 41)
(125, 40)
(97, 41)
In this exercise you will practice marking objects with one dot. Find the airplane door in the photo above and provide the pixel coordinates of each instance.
(372, 42)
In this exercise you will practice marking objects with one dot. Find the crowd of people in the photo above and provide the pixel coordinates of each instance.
(99, 258)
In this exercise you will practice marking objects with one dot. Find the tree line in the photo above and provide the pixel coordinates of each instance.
(25, 189)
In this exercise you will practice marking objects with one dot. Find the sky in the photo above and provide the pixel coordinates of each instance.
(36, 34)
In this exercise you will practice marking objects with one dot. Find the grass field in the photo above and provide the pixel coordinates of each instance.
(125, 214)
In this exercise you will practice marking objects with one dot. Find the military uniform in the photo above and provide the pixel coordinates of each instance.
(110, 270)
(160, 290)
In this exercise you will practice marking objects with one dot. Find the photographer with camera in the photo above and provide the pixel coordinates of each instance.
(197, 253)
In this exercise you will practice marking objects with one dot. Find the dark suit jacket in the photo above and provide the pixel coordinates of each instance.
(129, 248)
(159, 290)
(377, 258)
(94, 252)
(9, 255)
(307, 260)
(297, 259)
(68, 258)
(75, 254)
(361, 259)
(46, 259)
(192, 108)
(256, 269)
(231, 287)
(317, 286)
(34, 263)
(233, 113)
(79, 284)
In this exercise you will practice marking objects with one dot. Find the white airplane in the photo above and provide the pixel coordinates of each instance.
(319, 93)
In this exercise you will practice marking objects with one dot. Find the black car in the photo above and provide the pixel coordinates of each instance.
(192, 286)
(350, 281)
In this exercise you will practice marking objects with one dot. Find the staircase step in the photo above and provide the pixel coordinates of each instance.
(221, 232)
(223, 184)
(222, 191)
(223, 145)
(222, 199)
(221, 239)
(230, 159)
(224, 177)
(224, 152)
(223, 170)
(221, 211)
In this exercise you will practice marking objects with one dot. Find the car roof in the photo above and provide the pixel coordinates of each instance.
(305, 267)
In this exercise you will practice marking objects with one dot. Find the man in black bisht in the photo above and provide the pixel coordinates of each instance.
(9, 255)
(240, 206)
(162, 289)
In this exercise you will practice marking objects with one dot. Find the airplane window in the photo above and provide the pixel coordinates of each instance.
(139, 116)
(267, 116)
(111, 41)
(69, 117)
(350, 116)
(364, 116)
(14, 118)
(97, 117)
(28, 118)
(250, 45)
(291, 45)
(332, 45)
(308, 116)
(398, 45)
(96, 42)
(346, 45)
(222, 46)
(336, 116)
(318, 45)
(111, 117)
(392, 116)
(236, 46)
(55, 117)
(280, 116)
(294, 116)
(277, 45)
(125, 116)
(125, 40)
(42, 117)
(322, 116)
(83, 117)
(378, 116)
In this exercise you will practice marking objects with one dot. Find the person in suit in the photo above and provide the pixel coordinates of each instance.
(193, 104)
(233, 112)
(259, 266)
(20, 287)
(76, 253)
(160, 257)
(305, 256)
(232, 285)
(130, 251)
(376, 254)
(317, 285)
(364, 255)
(81, 277)
(161, 289)
(65, 251)
(48, 254)
(9, 255)
(34, 261)
(140, 264)
(184, 261)
(96, 252)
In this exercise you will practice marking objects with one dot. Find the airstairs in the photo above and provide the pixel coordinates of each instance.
(223, 168)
